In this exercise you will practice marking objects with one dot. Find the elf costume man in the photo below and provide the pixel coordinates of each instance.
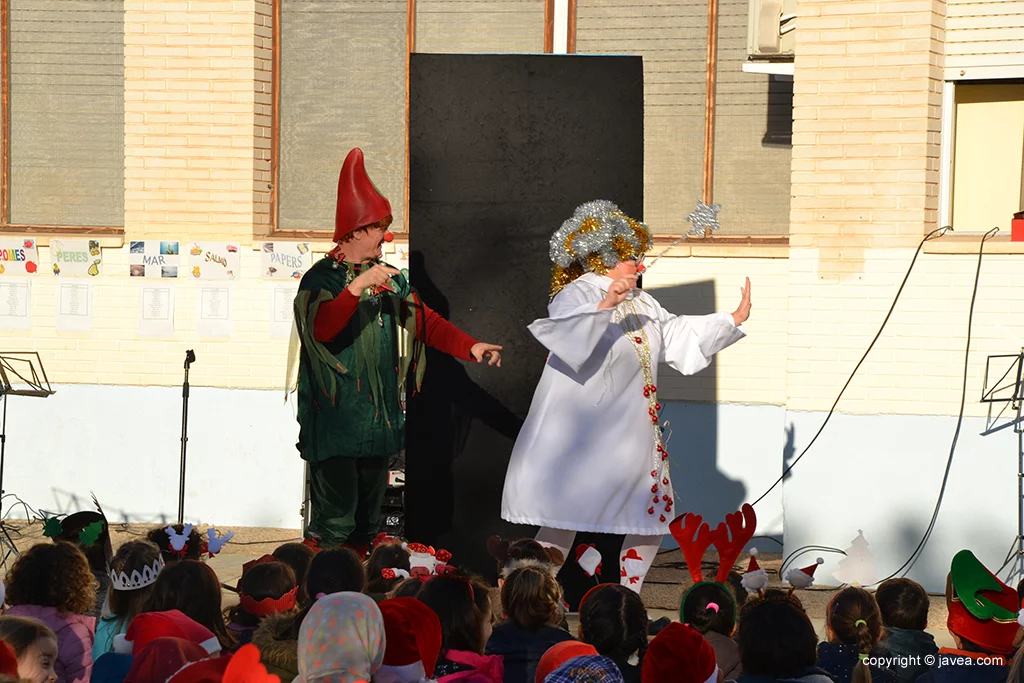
(362, 330)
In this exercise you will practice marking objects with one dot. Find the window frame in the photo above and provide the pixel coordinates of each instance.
(273, 229)
(6, 226)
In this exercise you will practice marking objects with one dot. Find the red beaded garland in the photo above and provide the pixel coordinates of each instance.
(654, 489)
(665, 481)
(657, 406)
(662, 518)
(650, 511)
(638, 340)
(654, 473)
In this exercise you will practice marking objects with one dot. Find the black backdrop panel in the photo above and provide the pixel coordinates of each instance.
(503, 148)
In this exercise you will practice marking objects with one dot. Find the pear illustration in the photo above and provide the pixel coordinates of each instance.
(94, 269)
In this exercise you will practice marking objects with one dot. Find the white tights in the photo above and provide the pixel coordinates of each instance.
(631, 572)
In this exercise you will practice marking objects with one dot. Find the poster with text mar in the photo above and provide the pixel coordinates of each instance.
(153, 258)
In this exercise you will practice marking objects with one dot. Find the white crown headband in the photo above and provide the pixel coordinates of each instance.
(147, 577)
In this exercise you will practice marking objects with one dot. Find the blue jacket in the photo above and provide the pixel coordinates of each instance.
(839, 659)
(521, 650)
(912, 646)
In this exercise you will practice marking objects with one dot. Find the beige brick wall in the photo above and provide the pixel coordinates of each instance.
(190, 118)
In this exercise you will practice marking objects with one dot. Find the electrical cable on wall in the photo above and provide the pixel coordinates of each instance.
(934, 234)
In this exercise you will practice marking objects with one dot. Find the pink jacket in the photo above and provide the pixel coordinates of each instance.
(75, 634)
(486, 668)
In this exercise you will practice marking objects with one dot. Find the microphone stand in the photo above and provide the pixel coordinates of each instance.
(190, 357)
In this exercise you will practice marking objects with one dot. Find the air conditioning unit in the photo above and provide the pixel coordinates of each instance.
(770, 29)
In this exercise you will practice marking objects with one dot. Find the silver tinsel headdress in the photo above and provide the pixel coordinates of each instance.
(595, 239)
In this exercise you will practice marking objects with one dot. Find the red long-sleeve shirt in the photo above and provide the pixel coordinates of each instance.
(334, 316)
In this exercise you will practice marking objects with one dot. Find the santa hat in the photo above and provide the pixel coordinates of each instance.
(412, 632)
(559, 654)
(982, 609)
(755, 578)
(359, 202)
(8, 660)
(681, 655)
(633, 565)
(242, 667)
(149, 626)
(803, 577)
(161, 658)
(589, 559)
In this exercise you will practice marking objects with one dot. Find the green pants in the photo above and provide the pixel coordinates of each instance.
(345, 498)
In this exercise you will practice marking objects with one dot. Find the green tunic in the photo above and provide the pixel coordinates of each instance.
(350, 388)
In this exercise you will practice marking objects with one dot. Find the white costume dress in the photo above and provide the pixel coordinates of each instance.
(585, 455)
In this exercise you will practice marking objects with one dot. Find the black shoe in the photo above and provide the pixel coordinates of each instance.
(655, 627)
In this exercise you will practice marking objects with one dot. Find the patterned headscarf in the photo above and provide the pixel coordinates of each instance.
(586, 669)
(341, 640)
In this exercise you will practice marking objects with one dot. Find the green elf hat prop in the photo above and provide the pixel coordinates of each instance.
(695, 536)
(982, 609)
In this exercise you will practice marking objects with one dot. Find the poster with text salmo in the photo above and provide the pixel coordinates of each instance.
(213, 260)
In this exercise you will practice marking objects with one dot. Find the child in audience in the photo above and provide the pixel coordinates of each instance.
(531, 603)
(342, 640)
(265, 589)
(681, 655)
(413, 641)
(777, 641)
(982, 621)
(193, 549)
(591, 669)
(614, 621)
(559, 654)
(525, 551)
(96, 547)
(54, 584)
(465, 628)
(853, 627)
(711, 610)
(389, 555)
(904, 607)
(298, 556)
(134, 569)
(35, 646)
(192, 588)
(331, 571)
(407, 588)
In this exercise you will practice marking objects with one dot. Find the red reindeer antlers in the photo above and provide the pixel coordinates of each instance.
(742, 524)
(693, 535)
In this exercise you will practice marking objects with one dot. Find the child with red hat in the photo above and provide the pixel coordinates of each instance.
(679, 654)
(983, 622)
(413, 634)
(362, 329)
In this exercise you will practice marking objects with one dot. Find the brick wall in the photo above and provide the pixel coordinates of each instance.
(189, 118)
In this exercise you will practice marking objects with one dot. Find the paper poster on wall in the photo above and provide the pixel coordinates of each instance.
(213, 260)
(15, 312)
(285, 260)
(282, 297)
(18, 256)
(153, 258)
(399, 258)
(75, 258)
(74, 306)
(215, 319)
(156, 310)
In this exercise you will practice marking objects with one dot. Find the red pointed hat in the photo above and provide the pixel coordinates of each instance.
(359, 201)
(413, 633)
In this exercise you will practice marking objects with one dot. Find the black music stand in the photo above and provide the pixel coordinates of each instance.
(1004, 385)
(21, 374)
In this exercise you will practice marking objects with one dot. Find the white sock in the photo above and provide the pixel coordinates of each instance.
(556, 538)
(637, 556)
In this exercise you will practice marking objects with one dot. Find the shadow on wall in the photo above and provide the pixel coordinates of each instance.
(700, 486)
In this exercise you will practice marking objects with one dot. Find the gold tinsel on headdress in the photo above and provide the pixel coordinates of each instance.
(595, 239)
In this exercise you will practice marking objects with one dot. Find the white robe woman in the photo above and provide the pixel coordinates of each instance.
(590, 456)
